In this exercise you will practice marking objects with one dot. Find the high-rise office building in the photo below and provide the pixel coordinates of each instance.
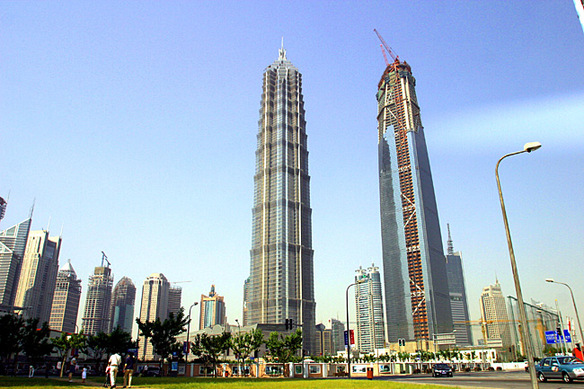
(38, 275)
(12, 248)
(65, 306)
(457, 291)
(369, 308)
(122, 308)
(212, 309)
(281, 284)
(154, 305)
(414, 268)
(494, 316)
(96, 317)
(338, 335)
(324, 340)
(174, 299)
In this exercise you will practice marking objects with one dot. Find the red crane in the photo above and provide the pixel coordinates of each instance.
(387, 48)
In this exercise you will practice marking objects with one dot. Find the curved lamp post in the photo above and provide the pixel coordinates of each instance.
(189, 332)
(528, 148)
(573, 302)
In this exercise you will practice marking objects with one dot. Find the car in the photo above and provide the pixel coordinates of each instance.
(566, 368)
(151, 372)
(441, 369)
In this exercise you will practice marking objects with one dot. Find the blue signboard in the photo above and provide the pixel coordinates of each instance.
(551, 337)
(346, 338)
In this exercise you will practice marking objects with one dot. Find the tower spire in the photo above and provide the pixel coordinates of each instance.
(282, 52)
(449, 242)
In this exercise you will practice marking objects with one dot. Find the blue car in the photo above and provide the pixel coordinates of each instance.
(565, 368)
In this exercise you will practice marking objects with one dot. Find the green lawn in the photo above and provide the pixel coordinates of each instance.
(196, 383)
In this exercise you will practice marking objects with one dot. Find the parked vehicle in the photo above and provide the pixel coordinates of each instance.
(566, 368)
(441, 369)
(151, 372)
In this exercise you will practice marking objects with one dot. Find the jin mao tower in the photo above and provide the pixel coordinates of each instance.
(281, 283)
(415, 280)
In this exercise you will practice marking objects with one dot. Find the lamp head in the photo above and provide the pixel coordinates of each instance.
(531, 146)
(549, 280)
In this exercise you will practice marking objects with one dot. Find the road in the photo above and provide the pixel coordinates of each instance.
(487, 379)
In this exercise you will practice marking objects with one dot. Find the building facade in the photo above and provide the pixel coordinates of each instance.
(494, 317)
(38, 275)
(122, 308)
(154, 304)
(281, 284)
(65, 306)
(338, 335)
(324, 340)
(174, 299)
(96, 316)
(212, 309)
(457, 292)
(414, 267)
(369, 310)
(12, 248)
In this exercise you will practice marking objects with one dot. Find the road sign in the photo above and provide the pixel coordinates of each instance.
(551, 337)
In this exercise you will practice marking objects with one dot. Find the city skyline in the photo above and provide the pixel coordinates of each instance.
(118, 126)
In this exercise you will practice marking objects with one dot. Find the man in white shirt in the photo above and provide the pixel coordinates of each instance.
(114, 362)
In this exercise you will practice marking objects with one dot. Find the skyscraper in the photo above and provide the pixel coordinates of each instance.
(38, 275)
(174, 299)
(154, 305)
(12, 248)
(281, 284)
(369, 308)
(338, 338)
(212, 309)
(65, 306)
(494, 316)
(457, 291)
(97, 302)
(2, 208)
(122, 308)
(415, 281)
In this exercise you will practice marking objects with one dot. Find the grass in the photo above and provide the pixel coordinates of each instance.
(212, 383)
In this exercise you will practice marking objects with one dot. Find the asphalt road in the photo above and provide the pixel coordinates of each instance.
(487, 379)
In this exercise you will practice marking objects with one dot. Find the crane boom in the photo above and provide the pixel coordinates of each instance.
(386, 46)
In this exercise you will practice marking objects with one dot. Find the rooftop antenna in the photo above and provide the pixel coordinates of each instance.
(449, 243)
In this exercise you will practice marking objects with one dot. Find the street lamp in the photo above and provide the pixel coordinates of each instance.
(529, 147)
(573, 302)
(362, 278)
(189, 332)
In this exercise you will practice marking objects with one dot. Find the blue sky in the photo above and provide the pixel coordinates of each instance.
(134, 125)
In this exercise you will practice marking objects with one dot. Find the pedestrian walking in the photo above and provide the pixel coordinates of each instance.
(129, 369)
(114, 361)
(84, 375)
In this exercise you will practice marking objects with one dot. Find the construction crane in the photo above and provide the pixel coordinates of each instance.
(104, 258)
(387, 48)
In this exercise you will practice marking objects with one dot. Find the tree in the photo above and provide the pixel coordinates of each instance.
(209, 348)
(284, 348)
(163, 334)
(68, 342)
(118, 341)
(10, 326)
(35, 341)
(248, 343)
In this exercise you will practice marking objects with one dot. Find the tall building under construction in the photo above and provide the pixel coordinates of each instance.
(281, 283)
(415, 279)
(96, 317)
